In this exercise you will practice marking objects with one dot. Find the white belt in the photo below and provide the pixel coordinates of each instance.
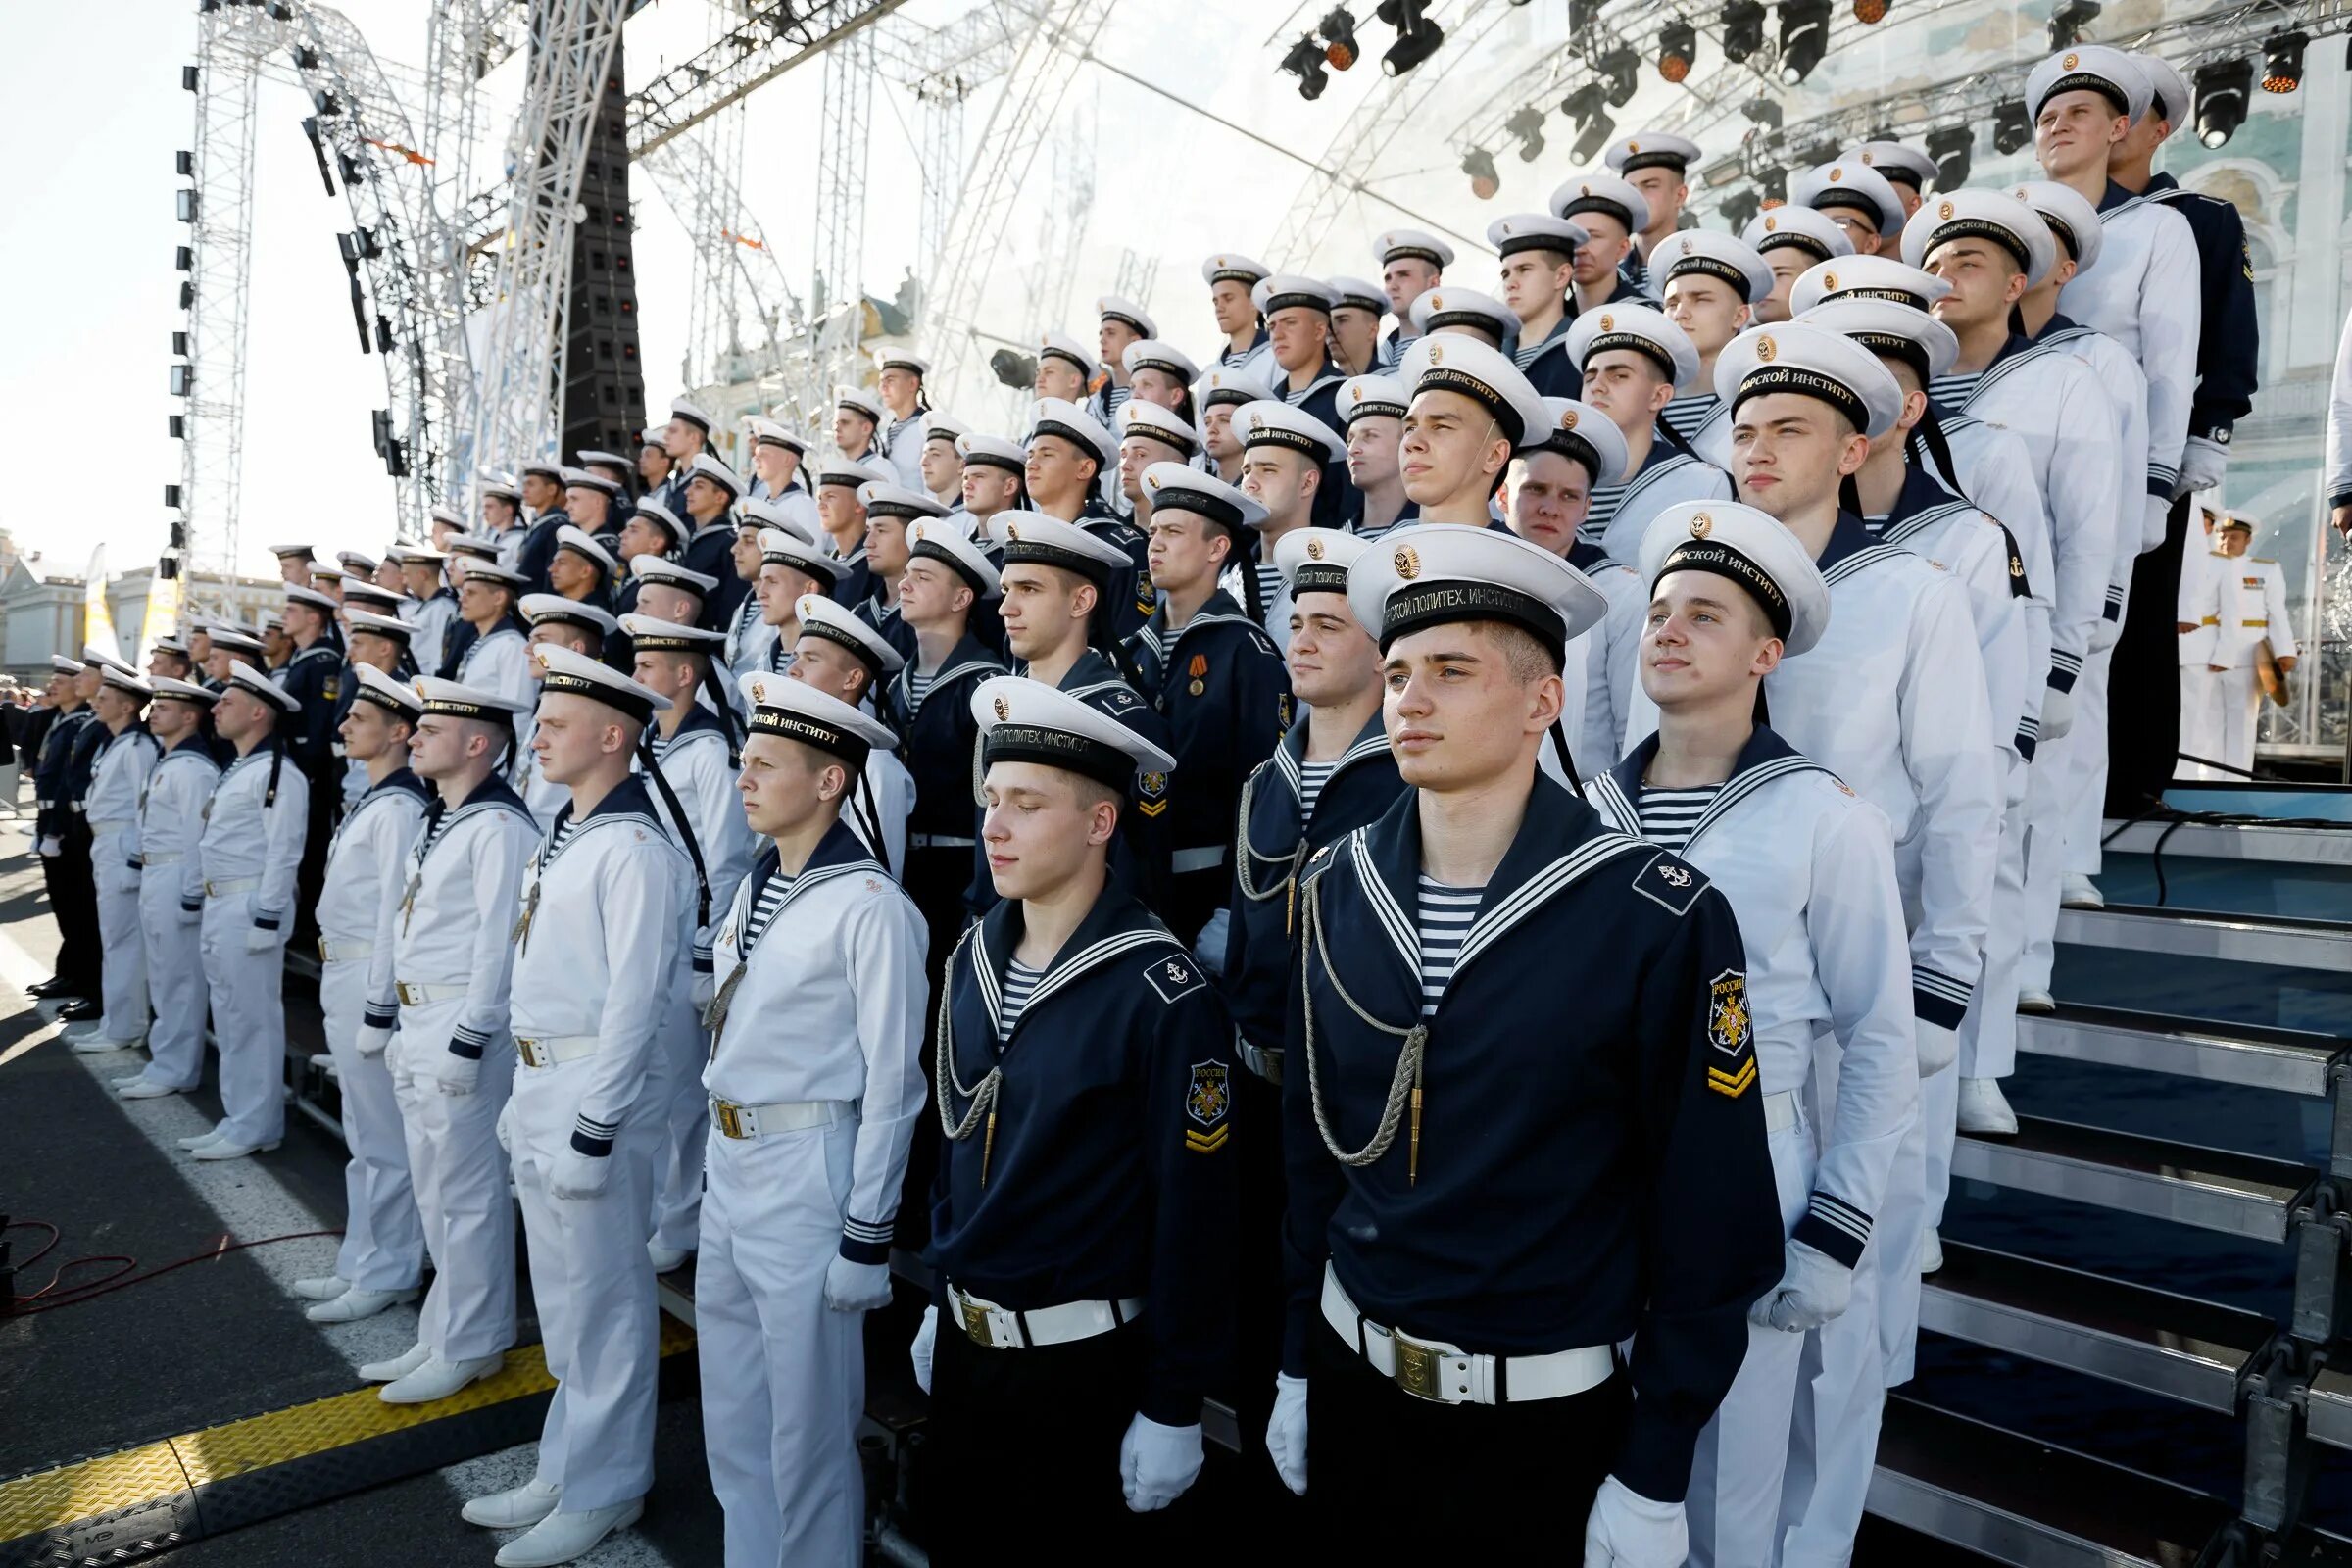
(235, 884)
(343, 952)
(413, 995)
(1207, 860)
(547, 1050)
(1779, 1111)
(785, 1116)
(150, 859)
(1260, 1059)
(1448, 1375)
(937, 841)
(110, 827)
(1001, 1328)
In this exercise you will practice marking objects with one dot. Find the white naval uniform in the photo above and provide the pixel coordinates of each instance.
(1612, 662)
(171, 810)
(358, 906)
(2200, 684)
(500, 662)
(1621, 513)
(697, 764)
(2248, 598)
(251, 844)
(749, 641)
(111, 809)
(902, 443)
(606, 903)
(1808, 866)
(1977, 551)
(452, 962)
(431, 619)
(2336, 480)
(2147, 293)
(783, 1374)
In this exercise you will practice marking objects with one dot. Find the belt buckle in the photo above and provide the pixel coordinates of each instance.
(1420, 1368)
(730, 1119)
(975, 1321)
(322, 958)
(405, 993)
(529, 1050)
(208, 889)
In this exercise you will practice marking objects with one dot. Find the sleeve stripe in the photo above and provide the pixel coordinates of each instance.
(1940, 984)
(1939, 1011)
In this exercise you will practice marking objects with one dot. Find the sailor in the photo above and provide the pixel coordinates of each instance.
(942, 465)
(1150, 434)
(171, 809)
(847, 659)
(1412, 264)
(809, 1136)
(1065, 369)
(80, 765)
(993, 470)
(857, 416)
(1119, 322)
(899, 376)
(1611, 211)
(583, 628)
(228, 645)
(1856, 197)
(622, 471)
(1657, 163)
(1297, 314)
(749, 636)
(1455, 308)
(451, 1056)
(496, 660)
(1292, 462)
(648, 535)
(1083, 1224)
(654, 465)
(1539, 268)
(686, 438)
(251, 844)
(314, 677)
(1231, 278)
(1217, 393)
(778, 453)
(2247, 599)
(65, 856)
(694, 750)
(1792, 240)
(1711, 285)
(593, 501)
(1215, 675)
(607, 900)
(668, 591)
(1371, 410)
(294, 563)
(501, 508)
(1549, 1192)
(791, 569)
(1159, 373)
(168, 656)
(127, 758)
(433, 609)
(580, 569)
(529, 550)
(381, 1261)
(889, 509)
(1635, 361)
(1358, 304)
(707, 503)
(1550, 485)
(1068, 452)
(278, 649)
(841, 510)
(2199, 629)
(1808, 869)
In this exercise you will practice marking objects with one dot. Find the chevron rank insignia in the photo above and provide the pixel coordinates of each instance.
(1205, 1104)
(1729, 1031)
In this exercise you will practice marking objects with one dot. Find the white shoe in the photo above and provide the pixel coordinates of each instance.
(95, 1043)
(438, 1380)
(560, 1537)
(354, 1305)
(129, 1078)
(139, 1087)
(2035, 1002)
(231, 1149)
(1931, 1252)
(201, 1138)
(400, 1366)
(2076, 891)
(1983, 1109)
(665, 1258)
(515, 1509)
(320, 1287)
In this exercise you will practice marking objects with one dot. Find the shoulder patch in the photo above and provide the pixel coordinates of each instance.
(1670, 884)
(1175, 978)
(1729, 1032)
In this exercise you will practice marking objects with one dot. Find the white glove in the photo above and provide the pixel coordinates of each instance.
(261, 939)
(371, 1042)
(856, 1287)
(455, 1074)
(1814, 1288)
(1937, 1047)
(2203, 462)
(52, 847)
(1626, 1529)
(706, 987)
(2057, 712)
(1158, 1463)
(578, 1175)
(2107, 634)
(504, 1129)
(1286, 1432)
(920, 1350)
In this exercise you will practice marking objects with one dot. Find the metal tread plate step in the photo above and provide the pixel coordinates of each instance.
(2281, 940)
(2260, 842)
(2288, 1060)
(2213, 1189)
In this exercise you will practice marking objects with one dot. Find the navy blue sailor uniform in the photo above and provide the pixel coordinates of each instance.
(66, 875)
(1321, 398)
(1130, 600)
(932, 716)
(314, 677)
(538, 548)
(711, 552)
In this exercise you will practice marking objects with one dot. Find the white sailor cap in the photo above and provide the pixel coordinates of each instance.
(449, 515)
(181, 691)
(473, 546)
(884, 500)
(291, 552)
(1850, 187)
(1354, 293)
(1024, 720)
(654, 435)
(945, 541)
(706, 467)
(1901, 163)
(1151, 354)
(456, 699)
(1138, 418)
(1180, 487)
(1800, 226)
(2071, 218)
(767, 433)
(768, 512)
(1889, 330)
(838, 624)
(1061, 418)
(1651, 149)
(1810, 362)
(1750, 547)
(660, 517)
(667, 636)
(1128, 314)
(1447, 309)
(503, 485)
(491, 571)
(1609, 195)
(1437, 574)
(1712, 254)
(798, 711)
(1986, 214)
(123, 680)
(1062, 346)
(395, 696)
(556, 610)
(1032, 537)
(590, 480)
(392, 626)
(786, 548)
(2112, 73)
(93, 654)
(169, 645)
(996, 451)
(1411, 244)
(1866, 278)
(1485, 376)
(1286, 290)
(1645, 331)
(605, 460)
(242, 674)
(1315, 561)
(311, 598)
(939, 426)
(271, 620)
(355, 563)
(232, 639)
(692, 414)
(562, 672)
(581, 542)
(355, 594)
(857, 400)
(1232, 267)
(1223, 386)
(545, 469)
(322, 573)
(1535, 231)
(903, 360)
(1272, 422)
(1363, 397)
(851, 475)
(2168, 90)
(2236, 520)
(663, 570)
(1581, 431)
(75, 666)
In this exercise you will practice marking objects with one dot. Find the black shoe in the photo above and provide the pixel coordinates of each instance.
(54, 986)
(79, 1009)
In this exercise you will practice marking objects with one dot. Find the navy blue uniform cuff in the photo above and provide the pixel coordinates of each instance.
(1939, 998)
(2342, 498)
(468, 1043)
(593, 1138)
(1835, 1228)
(374, 1016)
(1656, 1460)
(865, 1241)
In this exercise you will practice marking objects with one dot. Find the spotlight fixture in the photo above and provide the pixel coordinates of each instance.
(1594, 138)
(1014, 368)
(1819, 153)
(1528, 126)
(1305, 62)
(1479, 165)
(2283, 62)
(1870, 13)
(2011, 129)
(1804, 37)
(2069, 22)
(1773, 182)
(1582, 14)
(1678, 49)
(1742, 29)
(2222, 89)
(1765, 112)
(1417, 37)
(1621, 69)
(1739, 209)
(1337, 29)
(1950, 148)
(1582, 104)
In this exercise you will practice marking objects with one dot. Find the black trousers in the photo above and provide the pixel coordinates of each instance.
(73, 900)
(2143, 684)
(1390, 1477)
(318, 832)
(934, 880)
(1278, 1520)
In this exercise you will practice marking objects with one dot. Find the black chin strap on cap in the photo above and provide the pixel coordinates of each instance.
(1929, 436)
(1673, 438)
(1559, 746)
(1849, 495)
(869, 818)
(1252, 598)
(1763, 709)
(677, 817)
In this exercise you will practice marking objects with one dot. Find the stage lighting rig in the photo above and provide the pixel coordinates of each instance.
(1950, 148)
(1678, 49)
(1417, 37)
(1528, 126)
(1337, 29)
(1742, 29)
(2222, 89)
(1739, 209)
(1621, 69)
(2283, 62)
(1305, 62)
(1594, 138)
(2070, 21)
(2011, 129)
(1804, 37)
(1485, 182)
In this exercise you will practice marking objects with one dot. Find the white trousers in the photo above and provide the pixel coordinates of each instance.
(249, 1019)
(678, 1167)
(2083, 797)
(123, 988)
(593, 1286)
(1737, 1469)
(383, 1240)
(783, 1375)
(172, 942)
(459, 1174)
(2045, 858)
(2240, 702)
(2201, 721)
(1833, 1437)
